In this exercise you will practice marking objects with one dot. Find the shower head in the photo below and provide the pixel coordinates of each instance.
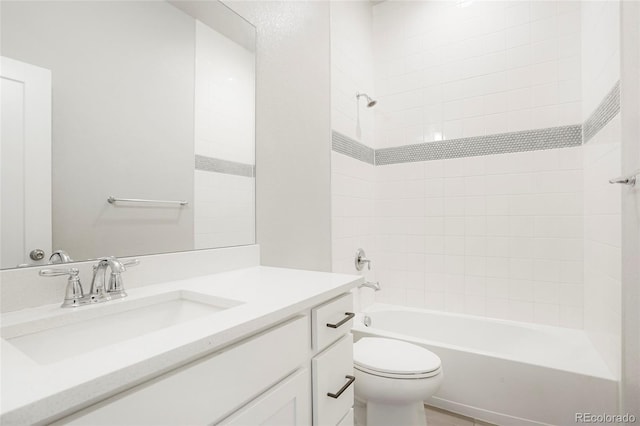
(370, 102)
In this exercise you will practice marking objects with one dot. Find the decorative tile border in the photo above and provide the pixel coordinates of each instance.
(352, 148)
(209, 164)
(608, 108)
(502, 143)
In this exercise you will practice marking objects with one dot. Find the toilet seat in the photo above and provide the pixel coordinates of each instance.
(394, 359)
(397, 376)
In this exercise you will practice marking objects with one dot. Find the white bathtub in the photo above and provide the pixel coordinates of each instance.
(503, 372)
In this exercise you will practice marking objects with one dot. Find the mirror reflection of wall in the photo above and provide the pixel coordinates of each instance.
(224, 148)
(149, 102)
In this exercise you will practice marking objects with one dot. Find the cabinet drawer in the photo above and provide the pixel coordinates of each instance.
(206, 390)
(331, 321)
(330, 371)
(287, 404)
(347, 420)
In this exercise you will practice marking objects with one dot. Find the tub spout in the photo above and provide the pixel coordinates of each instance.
(373, 285)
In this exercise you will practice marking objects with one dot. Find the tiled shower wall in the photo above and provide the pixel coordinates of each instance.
(602, 161)
(494, 235)
(352, 181)
(352, 69)
(497, 236)
(446, 70)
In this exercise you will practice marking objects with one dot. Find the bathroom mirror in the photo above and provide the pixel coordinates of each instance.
(128, 128)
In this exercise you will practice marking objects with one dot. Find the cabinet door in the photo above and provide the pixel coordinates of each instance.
(207, 390)
(333, 382)
(287, 404)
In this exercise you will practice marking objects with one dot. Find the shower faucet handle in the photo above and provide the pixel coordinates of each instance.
(361, 259)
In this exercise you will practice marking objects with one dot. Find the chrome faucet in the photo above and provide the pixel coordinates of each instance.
(372, 285)
(115, 287)
(60, 256)
(74, 294)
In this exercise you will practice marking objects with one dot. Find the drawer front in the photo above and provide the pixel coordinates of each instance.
(206, 390)
(330, 371)
(287, 404)
(331, 321)
(347, 420)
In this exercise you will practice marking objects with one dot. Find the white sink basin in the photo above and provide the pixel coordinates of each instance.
(49, 340)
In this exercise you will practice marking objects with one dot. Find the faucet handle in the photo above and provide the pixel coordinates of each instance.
(361, 259)
(57, 272)
(74, 296)
(130, 262)
(116, 286)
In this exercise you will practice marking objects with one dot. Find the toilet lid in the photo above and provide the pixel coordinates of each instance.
(389, 356)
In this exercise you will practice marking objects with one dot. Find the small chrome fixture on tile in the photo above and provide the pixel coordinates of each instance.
(370, 102)
(113, 200)
(367, 321)
(361, 260)
(626, 180)
(375, 286)
(74, 294)
(60, 256)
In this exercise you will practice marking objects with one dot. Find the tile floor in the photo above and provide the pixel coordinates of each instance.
(438, 417)
(435, 417)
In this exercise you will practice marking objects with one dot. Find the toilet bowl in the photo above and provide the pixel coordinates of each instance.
(393, 378)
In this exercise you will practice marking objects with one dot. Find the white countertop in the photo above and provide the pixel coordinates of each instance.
(33, 392)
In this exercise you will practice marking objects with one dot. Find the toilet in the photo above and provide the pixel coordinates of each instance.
(393, 378)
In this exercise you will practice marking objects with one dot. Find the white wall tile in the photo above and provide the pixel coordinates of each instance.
(464, 73)
(500, 235)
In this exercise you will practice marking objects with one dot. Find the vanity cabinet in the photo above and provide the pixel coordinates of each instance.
(282, 376)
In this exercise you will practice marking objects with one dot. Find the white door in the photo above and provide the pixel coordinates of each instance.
(25, 162)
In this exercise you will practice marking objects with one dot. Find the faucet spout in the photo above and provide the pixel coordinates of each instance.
(98, 287)
(375, 286)
(60, 256)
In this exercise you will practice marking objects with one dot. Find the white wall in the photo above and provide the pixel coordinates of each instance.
(224, 212)
(352, 69)
(630, 116)
(106, 141)
(443, 71)
(600, 51)
(224, 97)
(293, 132)
(602, 203)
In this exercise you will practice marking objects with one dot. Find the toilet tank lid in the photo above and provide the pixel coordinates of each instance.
(394, 356)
